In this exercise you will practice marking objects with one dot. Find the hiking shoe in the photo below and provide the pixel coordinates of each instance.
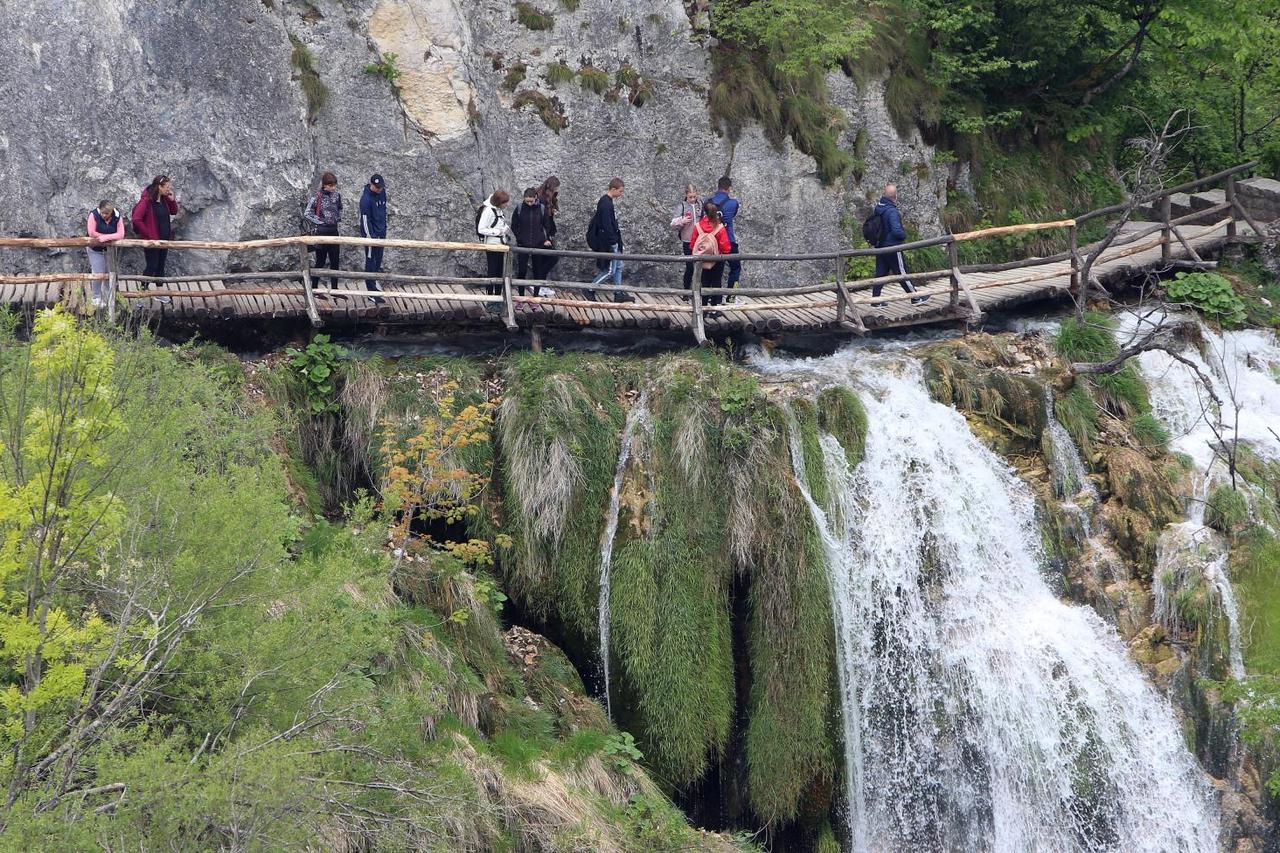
(97, 302)
(920, 300)
(623, 297)
(164, 300)
(377, 300)
(590, 295)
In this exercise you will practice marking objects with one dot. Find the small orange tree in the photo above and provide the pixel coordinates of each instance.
(427, 476)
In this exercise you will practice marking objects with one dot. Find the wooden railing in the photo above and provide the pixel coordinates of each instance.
(847, 315)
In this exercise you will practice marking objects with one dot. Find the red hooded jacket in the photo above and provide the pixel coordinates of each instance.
(144, 218)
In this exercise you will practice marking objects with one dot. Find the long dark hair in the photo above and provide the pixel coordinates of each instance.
(710, 211)
(153, 189)
(549, 194)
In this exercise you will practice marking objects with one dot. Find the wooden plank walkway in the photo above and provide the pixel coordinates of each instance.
(809, 312)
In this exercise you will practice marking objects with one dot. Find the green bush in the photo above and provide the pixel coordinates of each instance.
(315, 368)
(1090, 341)
(1226, 509)
(1209, 293)
(386, 68)
(1148, 430)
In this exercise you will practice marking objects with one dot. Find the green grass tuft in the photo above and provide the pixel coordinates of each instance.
(1255, 569)
(1078, 414)
(1090, 341)
(1226, 510)
(842, 414)
(313, 88)
(549, 109)
(515, 76)
(1149, 432)
(593, 79)
(558, 73)
(533, 17)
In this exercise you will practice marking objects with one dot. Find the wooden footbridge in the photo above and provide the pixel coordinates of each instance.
(957, 292)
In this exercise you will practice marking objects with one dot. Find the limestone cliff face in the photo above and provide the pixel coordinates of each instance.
(102, 94)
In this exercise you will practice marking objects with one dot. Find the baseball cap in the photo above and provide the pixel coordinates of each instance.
(377, 181)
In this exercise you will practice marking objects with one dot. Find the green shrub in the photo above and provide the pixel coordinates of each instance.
(1226, 509)
(593, 79)
(533, 17)
(1090, 341)
(549, 109)
(313, 88)
(386, 68)
(1209, 293)
(558, 73)
(315, 367)
(1123, 392)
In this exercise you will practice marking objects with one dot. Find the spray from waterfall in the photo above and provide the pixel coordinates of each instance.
(979, 711)
(637, 417)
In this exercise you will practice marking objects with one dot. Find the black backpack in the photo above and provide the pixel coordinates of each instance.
(479, 213)
(593, 232)
(873, 228)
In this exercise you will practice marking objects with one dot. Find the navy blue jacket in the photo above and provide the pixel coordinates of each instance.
(891, 231)
(373, 213)
(728, 207)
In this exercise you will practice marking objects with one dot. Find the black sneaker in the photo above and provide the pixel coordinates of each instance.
(377, 300)
(920, 300)
(623, 297)
(590, 295)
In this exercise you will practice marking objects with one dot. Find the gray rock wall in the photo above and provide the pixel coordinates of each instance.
(102, 94)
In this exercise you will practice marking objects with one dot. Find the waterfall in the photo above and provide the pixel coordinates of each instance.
(638, 416)
(1243, 369)
(979, 711)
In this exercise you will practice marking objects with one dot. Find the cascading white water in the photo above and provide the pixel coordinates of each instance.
(1242, 368)
(979, 711)
(637, 417)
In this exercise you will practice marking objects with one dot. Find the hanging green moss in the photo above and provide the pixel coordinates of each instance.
(842, 414)
(790, 746)
(670, 602)
(559, 427)
(815, 468)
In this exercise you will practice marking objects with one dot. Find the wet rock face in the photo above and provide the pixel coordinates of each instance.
(103, 94)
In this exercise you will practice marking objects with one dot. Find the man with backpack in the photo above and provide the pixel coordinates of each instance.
(604, 235)
(373, 223)
(884, 228)
(728, 207)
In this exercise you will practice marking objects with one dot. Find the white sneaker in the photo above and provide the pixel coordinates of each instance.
(97, 302)
(546, 293)
(164, 300)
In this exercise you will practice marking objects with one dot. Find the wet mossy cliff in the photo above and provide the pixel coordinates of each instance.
(720, 652)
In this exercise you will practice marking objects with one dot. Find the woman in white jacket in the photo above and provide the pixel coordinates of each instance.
(492, 229)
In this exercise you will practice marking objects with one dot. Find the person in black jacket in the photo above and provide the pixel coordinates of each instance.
(529, 224)
(604, 235)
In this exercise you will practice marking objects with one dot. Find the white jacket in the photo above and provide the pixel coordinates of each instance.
(492, 227)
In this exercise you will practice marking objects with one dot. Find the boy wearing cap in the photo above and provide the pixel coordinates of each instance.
(373, 223)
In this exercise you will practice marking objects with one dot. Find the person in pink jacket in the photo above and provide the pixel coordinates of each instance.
(153, 220)
(106, 225)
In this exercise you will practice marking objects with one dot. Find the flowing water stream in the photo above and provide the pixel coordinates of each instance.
(979, 712)
(636, 418)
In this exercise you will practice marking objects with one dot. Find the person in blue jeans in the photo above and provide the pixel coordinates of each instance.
(373, 223)
(728, 207)
(604, 235)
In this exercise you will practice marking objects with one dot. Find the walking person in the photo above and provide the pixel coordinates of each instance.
(529, 224)
(683, 219)
(106, 225)
(373, 224)
(323, 211)
(604, 235)
(491, 228)
(728, 206)
(549, 198)
(153, 220)
(891, 233)
(711, 237)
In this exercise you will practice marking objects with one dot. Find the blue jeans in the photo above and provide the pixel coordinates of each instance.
(612, 269)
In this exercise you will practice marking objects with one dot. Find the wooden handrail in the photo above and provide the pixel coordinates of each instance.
(1001, 230)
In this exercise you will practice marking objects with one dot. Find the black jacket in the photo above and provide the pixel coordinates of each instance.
(532, 225)
(605, 232)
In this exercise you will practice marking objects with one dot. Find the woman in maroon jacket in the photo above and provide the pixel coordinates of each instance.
(153, 220)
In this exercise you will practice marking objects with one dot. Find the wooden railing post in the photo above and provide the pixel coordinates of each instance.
(508, 302)
(1231, 200)
(953, 258)
(842, 298)
(699, 332)
(1166, 236)
(308, 295)
(1074, 237)
(113, 266)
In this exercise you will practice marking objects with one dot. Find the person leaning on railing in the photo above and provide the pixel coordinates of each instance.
(106, 225)
(153, 220)
(492, 229)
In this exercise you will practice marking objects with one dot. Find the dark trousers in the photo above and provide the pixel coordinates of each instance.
(155, 262)
(493, 268)
(713, 278)
(541, 265)
(892, 264)
(327, 256)
(689, 267)
(372, 263)
(735, 267)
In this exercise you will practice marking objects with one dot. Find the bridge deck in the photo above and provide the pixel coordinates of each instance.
(808, 312)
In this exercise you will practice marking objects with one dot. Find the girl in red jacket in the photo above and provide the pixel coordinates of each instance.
(710, 238)
(153, 220)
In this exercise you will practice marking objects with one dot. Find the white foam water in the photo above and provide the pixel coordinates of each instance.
(637, 417)
(979, 712)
